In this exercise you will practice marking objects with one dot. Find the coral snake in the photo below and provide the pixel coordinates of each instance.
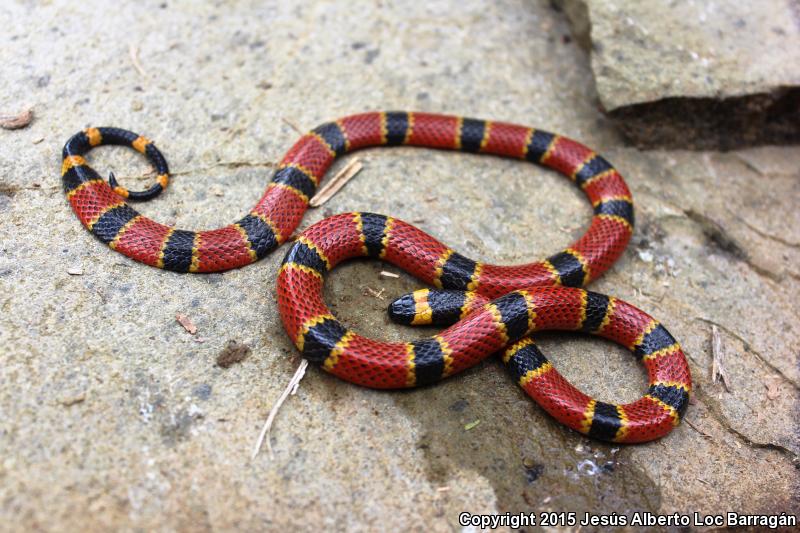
(487, 308)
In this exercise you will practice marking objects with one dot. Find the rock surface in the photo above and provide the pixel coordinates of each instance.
(112, 416)
(695, 74)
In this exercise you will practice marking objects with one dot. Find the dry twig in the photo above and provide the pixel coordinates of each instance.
(292, 125)
(702, 433)
(347, 173)
(386, 274)
(718, 359)
(372, 292)
(291, 388)
(134, 53)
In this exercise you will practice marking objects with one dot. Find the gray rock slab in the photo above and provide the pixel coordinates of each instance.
(112, 416)
(695, 74)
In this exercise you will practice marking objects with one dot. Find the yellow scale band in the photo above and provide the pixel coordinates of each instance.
(583, 164)
(361, 236)
(322, 142)
(423, 314)
(71, 161)
(344, 135)
(612, 305)
(469, 300)
(266, 220)
(93, 134)
(310, 175)
(387, 230)
(411, 377)
(437, 275)
(646, 331)
(487, 128)
(617, 218)
(194, 266)
(598, 177)
(625, 422)
(672, 348)
(530, 375)
(528, 139)
(447, 355)
(584, 264)
(497, 318)
(82, 186)
(512, 350)
(668, 408)
(113, 244)
(291, 189)
(301, 268)
(307, 325)
(410, 128)
(588, 417)
(160, 262)
(622, 197)
(305, 240)
(102, 212)
(475, 278)
(250, 251)
(333, 358)
(531, 310)
(550, 148)
(140, 144)
(459, 129)
(553, 272)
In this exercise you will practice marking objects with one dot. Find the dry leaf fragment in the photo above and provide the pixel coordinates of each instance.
(15, 122)
(186, 322)
(718, 359)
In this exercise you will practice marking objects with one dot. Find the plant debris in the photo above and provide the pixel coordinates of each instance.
(187, 323)
(291, 388)
(234, 352)
(472, 425)
(72, 400)
(15, 122)
(773, 388)
(344, 175)
(386, 274)
(292, 125)
(718, 373)
(700, 431)
(372, 292)
(134, 53)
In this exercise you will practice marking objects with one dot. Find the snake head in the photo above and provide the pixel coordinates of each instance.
(438, 307)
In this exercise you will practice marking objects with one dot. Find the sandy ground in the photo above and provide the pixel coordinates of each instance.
(112, 416)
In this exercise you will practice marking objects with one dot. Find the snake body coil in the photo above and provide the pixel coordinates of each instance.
(494, 307)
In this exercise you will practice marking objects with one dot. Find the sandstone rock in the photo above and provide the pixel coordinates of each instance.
(695, 74)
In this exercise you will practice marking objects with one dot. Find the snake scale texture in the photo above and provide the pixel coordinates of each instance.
(487, 308)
